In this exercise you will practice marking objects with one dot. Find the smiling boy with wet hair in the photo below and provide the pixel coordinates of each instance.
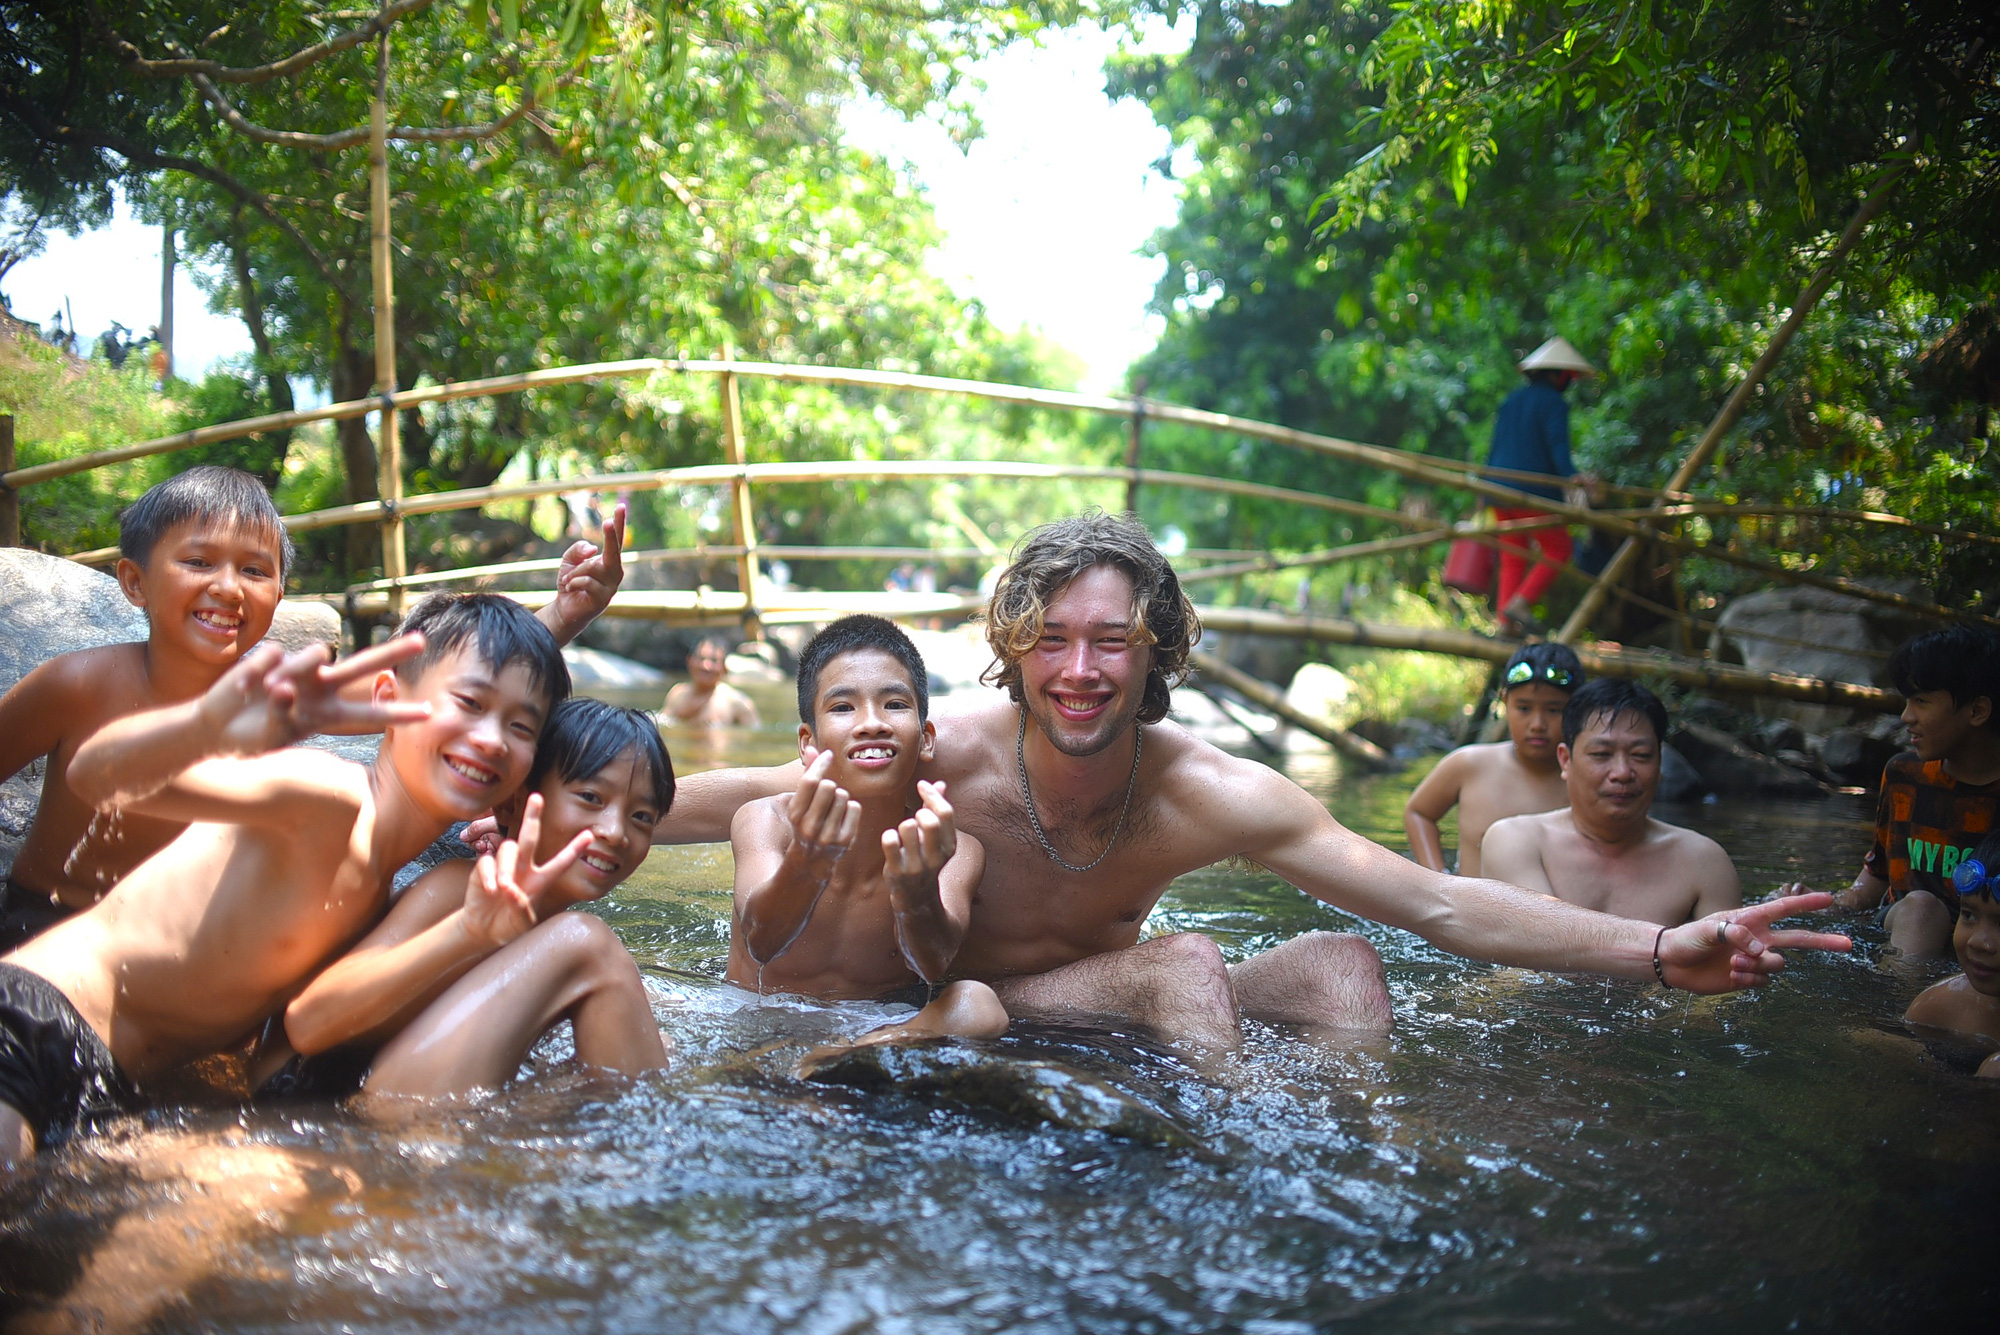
(284, 858)
(1940, 797)
(1604, 851)
(1490, 781)
(858, 884)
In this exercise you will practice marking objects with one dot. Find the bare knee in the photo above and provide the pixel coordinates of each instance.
(587, 946)
(1919, 925)
(1326, 979)
(973, 1009)
(1190, 989)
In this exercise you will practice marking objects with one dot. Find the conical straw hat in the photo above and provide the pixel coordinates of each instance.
(1557, 355)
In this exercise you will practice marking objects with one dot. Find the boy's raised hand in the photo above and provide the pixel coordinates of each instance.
(587, 579)
(272, 698)
(503, 895)
(824, 819)
(915, 851)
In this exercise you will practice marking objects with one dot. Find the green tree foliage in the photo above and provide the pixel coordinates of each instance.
(1384, 206)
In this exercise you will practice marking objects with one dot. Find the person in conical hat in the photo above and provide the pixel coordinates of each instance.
(1531, 435)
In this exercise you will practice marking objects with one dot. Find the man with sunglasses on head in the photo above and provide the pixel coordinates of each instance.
(1604, 851)
(1491, 781)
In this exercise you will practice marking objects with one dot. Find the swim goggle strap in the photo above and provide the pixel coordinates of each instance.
(1524, 672)
(1972, 878)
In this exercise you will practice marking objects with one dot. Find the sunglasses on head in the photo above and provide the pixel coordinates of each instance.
(1559, 677)
(1972, 878)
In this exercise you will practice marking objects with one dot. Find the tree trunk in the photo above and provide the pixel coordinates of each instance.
(277, 384)
(354, 378)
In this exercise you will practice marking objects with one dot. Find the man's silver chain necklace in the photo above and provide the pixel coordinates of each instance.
(1021, 764)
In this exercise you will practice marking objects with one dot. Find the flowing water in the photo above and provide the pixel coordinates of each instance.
(1527, 1151)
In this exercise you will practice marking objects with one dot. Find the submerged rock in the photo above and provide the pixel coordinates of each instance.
(1026, 1090)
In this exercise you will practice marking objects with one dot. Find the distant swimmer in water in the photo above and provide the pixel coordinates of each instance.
(1604, 851)
(1493, 780)
(705, 700)
(859, 884)
(1970, 1003)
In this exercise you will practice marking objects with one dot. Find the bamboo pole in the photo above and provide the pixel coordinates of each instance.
(1732, 410)
(1607, 661)
(389, 444)
(10, 500)
(741, 518)
(1134, 443)
(1269, 698)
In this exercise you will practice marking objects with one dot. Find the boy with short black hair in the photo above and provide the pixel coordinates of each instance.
(1490, 781)
(858, 885)
(477, 961)
(705, 700)
(204, 555)
(284, 858)
(1970, 1003)
(1940, 797)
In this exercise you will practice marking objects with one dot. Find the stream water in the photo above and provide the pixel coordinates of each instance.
(1527, 1151)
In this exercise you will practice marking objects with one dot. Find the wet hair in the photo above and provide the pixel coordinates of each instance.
(502, 632)
(715, 638)
(1050, 558)
(1609, 697)
(847, 635)
(1963, 661)
(208, 495)
(584, 735)
(1541, 657)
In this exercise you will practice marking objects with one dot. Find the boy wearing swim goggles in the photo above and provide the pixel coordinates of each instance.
(1491, 781)
(1970, 1003)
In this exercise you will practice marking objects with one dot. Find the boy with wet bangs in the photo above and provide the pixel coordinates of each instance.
(1603, 850)
(477, 961)
(1940, 797)
(204, 555)
(285, 856)
(1491, 781)
(858, 884)
(1970, 1003)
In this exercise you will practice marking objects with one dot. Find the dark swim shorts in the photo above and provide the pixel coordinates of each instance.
(25, 914)
(54, 1069)
(333, 1074)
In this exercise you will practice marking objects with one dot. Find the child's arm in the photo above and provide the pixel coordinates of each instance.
(931, 871)
(1435, 796)
(443, 925)
(33, 714)
(778, 879)
(268, 700)
(586, 581)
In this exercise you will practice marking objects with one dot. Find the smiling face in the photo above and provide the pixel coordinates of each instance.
(1084, 680)
(1937, 725)
(865, 712)
(619, 807)
(209, 591)
(1534, 721)
(1614, 769)
(478, 743)
(1975, 939)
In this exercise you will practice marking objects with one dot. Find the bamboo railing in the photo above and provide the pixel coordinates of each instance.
(752, 598)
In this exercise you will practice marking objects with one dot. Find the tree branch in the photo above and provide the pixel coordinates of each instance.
(340, 140)
(277, 69)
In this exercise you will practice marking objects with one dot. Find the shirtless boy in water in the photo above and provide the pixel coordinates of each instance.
(1494, 780)
(1604, 851)
(705, 700)
(859, 884)
(285, 858)
(1970, 1003)
(204, 555)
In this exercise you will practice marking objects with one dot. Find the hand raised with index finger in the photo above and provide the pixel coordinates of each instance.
(1739, 948)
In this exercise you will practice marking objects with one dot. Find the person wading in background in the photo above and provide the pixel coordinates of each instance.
(1531, 435)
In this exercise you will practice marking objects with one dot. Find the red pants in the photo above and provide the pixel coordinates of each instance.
(1517, 580)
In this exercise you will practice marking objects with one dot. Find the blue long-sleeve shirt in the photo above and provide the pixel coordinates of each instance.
(1532, 434)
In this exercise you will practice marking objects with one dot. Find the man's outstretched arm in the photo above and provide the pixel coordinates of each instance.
(705, 803)
(1293, 835)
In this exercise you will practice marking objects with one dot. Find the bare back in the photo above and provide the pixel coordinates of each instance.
(1668, 875)
(72, 854)
(198, 945)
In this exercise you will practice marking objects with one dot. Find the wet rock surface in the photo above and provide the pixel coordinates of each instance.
(1031, 1090)
(1726, 765)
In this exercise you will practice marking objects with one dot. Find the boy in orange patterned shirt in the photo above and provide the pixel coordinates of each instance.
(1942, 796)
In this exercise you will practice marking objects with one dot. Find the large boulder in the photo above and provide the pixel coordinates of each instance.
(1856, 756)
(1728, 766)
(1816, 633)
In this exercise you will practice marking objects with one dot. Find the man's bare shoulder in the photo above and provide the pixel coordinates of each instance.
(1535, 828)
(1683, 843)
(973, 731)
(1194, 773)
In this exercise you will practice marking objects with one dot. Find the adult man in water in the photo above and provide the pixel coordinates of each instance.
(1604, 850)
(705, 700)
(1089, 805)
